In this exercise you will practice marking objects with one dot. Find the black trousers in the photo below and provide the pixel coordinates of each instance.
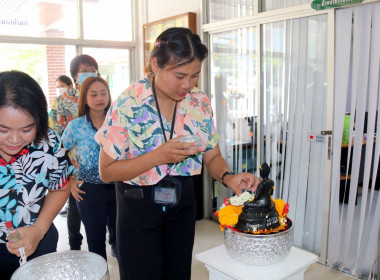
(9, 262)
(73, 224)
(153, 243)
(97, 209)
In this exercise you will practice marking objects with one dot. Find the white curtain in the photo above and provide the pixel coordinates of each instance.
(294, 106)
(353, 243)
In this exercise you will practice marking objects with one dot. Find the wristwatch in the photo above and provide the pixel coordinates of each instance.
(224, 175)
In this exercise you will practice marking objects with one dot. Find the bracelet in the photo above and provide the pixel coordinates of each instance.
(224, 175)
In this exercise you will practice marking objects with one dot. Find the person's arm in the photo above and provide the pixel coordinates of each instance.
(172, 151)
(53, 203)
(217, 166)
(31, 236)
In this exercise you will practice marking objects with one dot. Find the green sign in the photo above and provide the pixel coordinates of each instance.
(327, 4)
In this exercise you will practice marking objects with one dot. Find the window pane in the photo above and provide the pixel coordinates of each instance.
(222, 10)
(233, 68)
(114, 67)
(34, 18)
(107, 20)
(233, 95)
(269, 5)
(43, 63)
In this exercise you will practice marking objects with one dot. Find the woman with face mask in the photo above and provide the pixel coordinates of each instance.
(63, 84)
(65, 107)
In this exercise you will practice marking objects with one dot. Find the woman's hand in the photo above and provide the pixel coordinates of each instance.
(75, 191)
(216, 165)
(174, 151)
(241, 181)
(30, 238)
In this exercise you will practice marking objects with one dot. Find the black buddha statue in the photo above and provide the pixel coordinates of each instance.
(260, 213)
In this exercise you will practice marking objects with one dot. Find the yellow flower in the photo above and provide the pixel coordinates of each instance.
(280, 204)
(229, 215)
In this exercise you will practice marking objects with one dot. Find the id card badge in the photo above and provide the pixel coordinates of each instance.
(167, 191)
(165, 195)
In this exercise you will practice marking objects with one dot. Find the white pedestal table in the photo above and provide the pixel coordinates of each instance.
(222, 266)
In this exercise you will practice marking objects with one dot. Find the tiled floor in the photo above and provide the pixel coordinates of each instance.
(207, 235)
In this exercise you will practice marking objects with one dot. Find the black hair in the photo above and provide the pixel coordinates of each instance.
(81, 59)
(177, 46)
(21, 91)
(64, 79)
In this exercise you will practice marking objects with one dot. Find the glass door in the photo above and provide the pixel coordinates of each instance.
(233, 94)
(284, 124)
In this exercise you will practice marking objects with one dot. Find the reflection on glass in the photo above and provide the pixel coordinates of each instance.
(114, 67)
(270, 5)
(107, 20)
(34, 18)
(227, 9)
(233, 95)
(43, 62)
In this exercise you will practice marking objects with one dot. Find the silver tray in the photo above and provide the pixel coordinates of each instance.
(259, 249)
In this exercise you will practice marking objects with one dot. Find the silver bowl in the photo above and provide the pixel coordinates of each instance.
(73, 265)
(256, 249)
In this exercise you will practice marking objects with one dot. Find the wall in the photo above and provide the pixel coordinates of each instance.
(159, 9)
(153, 10)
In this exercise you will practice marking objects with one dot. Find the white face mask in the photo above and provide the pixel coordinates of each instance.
(61, 90)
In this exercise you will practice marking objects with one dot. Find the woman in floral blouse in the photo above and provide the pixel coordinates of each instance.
(34, 171)
(140, 145)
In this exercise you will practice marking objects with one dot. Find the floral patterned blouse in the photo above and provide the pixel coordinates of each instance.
(63, 111)
(132, 128)
(25, 179)
(80, 133)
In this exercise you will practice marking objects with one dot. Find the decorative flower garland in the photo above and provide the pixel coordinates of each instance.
(228, 213)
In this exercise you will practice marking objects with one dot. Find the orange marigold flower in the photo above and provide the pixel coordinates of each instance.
(280, 206)
(229, 215)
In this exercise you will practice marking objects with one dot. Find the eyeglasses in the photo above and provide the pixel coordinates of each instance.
(87, 70)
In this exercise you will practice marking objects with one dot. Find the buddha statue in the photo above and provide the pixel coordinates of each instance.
(260, 214)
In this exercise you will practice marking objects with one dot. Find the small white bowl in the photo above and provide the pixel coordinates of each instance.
(192, 138)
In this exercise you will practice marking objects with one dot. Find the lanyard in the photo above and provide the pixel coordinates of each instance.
(159, 113)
